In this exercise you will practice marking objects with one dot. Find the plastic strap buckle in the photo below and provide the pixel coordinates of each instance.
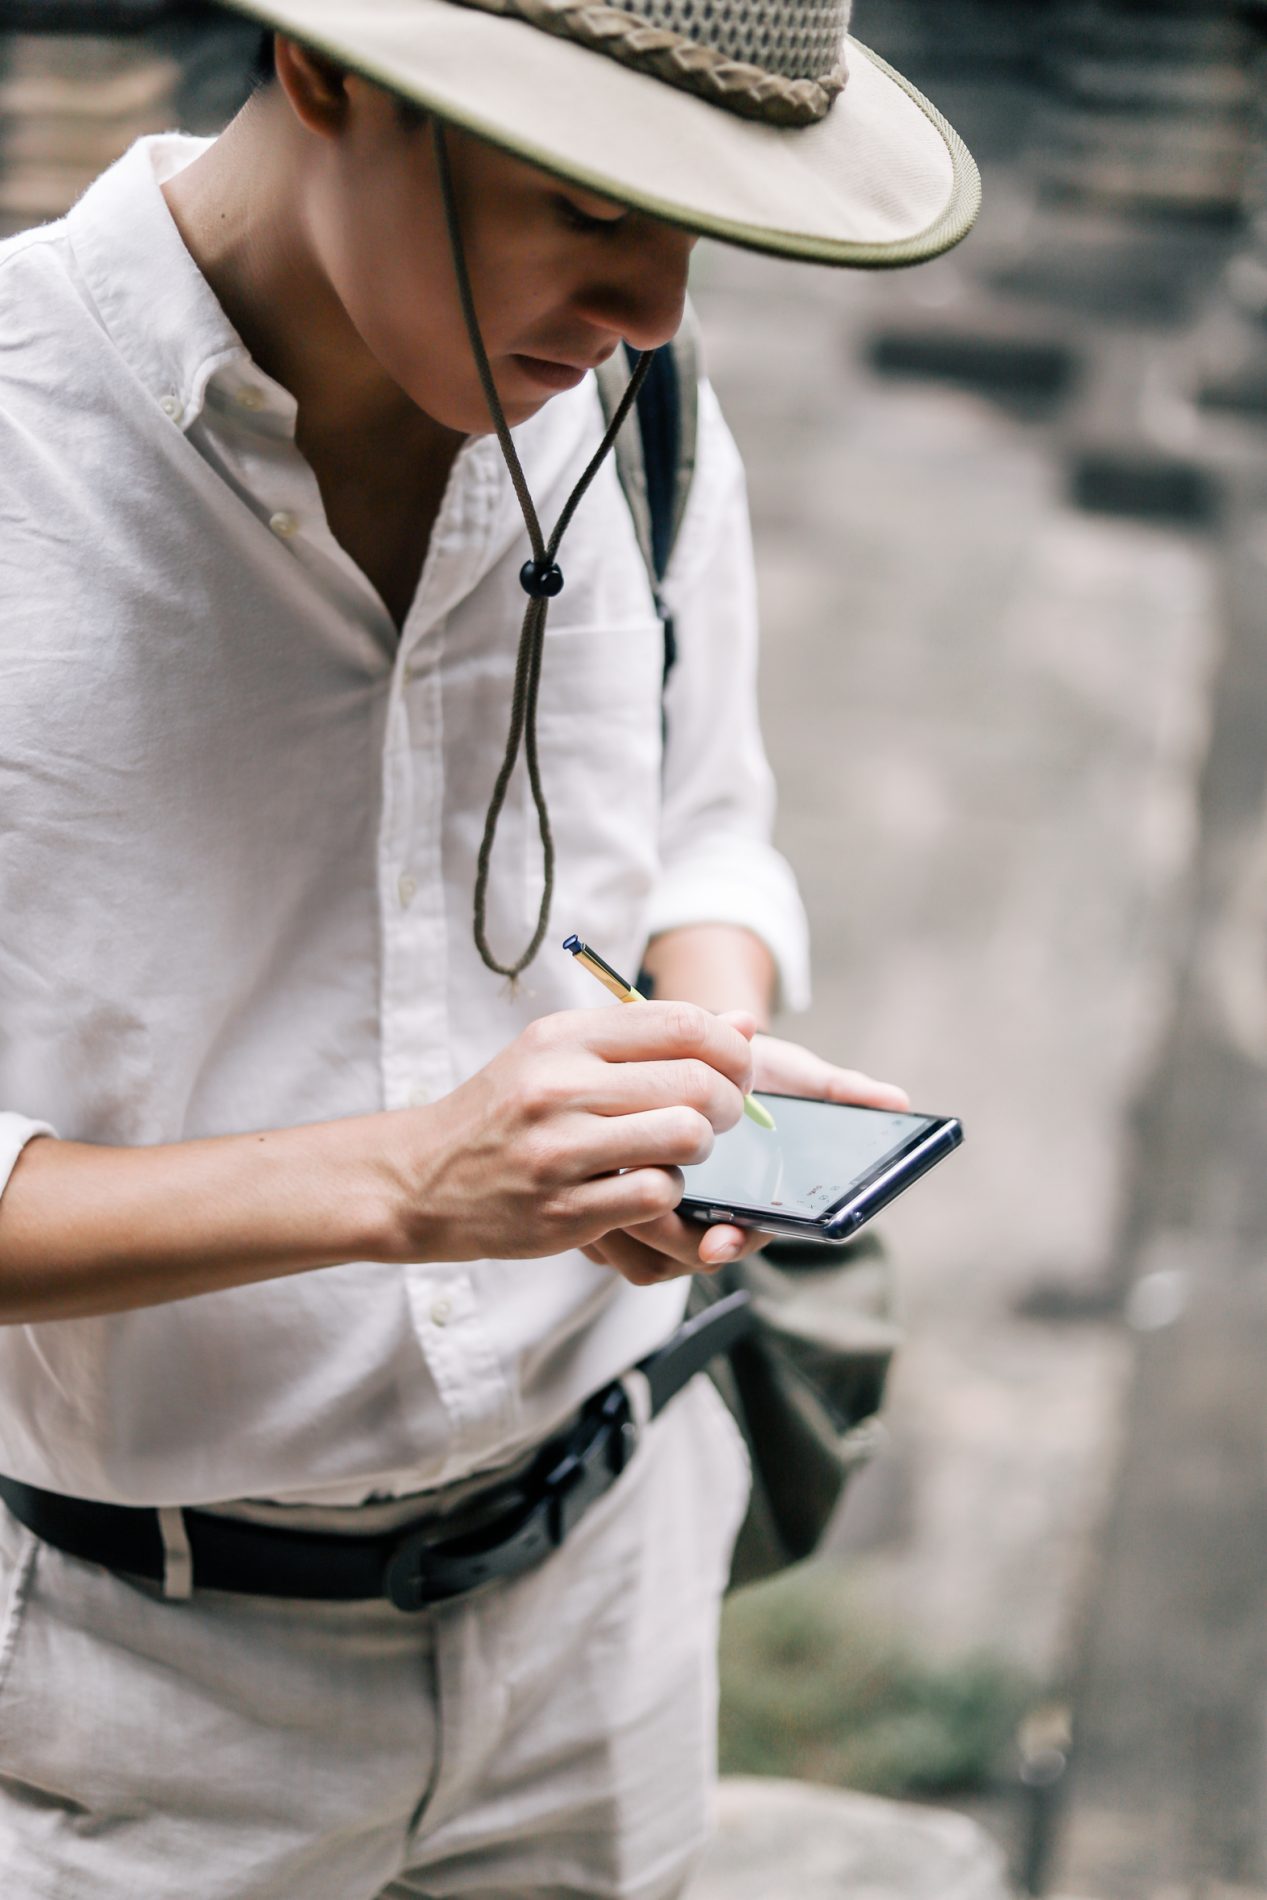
(421, 1570)
(598, 1452)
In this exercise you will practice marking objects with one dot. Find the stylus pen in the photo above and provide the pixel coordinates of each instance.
(626, 993)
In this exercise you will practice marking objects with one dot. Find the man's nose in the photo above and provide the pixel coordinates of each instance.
(643, 298)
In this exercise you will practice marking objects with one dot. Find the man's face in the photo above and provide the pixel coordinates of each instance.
(560, 278)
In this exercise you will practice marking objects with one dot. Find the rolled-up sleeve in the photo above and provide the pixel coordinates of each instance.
(15, 1132)
(718, 864)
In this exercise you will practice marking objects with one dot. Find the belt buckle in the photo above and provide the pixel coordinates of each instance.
(411, 1582)
(617, 1414)
(405, 1577)
(607, 1436)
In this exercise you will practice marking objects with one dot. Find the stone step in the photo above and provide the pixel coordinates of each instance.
(68, 108)
(88, 16)
(1027, 366)
(1145, 484)
(788, 1838)
(1215, 88)
(96, 88)
(1142, 176)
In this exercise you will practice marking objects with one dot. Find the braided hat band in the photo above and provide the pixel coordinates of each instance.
(781, 62)
(790, 164)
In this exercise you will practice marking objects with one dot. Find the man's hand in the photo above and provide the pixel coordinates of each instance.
(789, 1069)
(666, 1246)
(577, 1130)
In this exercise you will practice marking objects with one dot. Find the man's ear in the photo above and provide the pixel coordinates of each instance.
(315, 86)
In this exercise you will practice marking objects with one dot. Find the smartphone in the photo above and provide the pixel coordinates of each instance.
(820, 1173)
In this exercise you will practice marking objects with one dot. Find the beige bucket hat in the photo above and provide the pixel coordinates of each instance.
(758, 122)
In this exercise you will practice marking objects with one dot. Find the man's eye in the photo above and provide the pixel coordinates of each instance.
(578, 220)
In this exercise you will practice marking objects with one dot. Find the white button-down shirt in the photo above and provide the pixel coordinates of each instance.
(239, 819)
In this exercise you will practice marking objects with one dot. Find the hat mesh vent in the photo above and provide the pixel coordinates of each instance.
(799, 39)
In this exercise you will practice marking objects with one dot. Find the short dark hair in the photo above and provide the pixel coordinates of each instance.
(264, 72)
(264, 65)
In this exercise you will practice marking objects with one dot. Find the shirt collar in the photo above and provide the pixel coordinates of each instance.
(158, 308)
(169, 327)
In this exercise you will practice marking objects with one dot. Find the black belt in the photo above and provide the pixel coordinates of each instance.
(413, 1565)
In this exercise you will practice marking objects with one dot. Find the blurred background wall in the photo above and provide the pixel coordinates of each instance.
(1011, 517)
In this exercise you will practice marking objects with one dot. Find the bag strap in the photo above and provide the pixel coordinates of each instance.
(656, 462)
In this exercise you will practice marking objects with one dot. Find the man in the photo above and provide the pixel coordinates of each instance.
(317, 1231)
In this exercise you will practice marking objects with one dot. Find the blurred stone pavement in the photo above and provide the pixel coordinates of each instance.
(1011, 520)
(1011, 514)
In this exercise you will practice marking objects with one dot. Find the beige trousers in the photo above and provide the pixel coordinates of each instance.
(550, 1736)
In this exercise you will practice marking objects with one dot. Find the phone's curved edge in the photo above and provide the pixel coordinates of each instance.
(937, 1144)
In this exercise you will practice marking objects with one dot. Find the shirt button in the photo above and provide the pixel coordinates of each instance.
(284, 524)
(408, 888)
(418, 1096)
(172, 407)
(249, 397)
(442, 1310)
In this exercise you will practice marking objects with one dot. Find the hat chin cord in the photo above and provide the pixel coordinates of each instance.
(541, 579)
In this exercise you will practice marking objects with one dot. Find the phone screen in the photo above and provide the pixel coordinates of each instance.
(808, 1162)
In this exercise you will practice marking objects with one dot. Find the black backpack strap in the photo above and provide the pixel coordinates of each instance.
(656, 462)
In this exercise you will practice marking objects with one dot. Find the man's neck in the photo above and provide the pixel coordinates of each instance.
(240, 214)
(380, 462)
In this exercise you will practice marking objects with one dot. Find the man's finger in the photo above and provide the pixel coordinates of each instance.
(617, 1201)
(851, 1085)
(741, 1019)
(642, 1264)
(723, 1243)
(675, 1250)
(694, 1246)
(609, 1090)
(675, 1136)
(650, 1032)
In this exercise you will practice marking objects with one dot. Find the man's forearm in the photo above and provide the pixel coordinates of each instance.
(86, 1229)
(718, 966)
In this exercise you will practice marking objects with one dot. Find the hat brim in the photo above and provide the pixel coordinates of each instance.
(882, 180)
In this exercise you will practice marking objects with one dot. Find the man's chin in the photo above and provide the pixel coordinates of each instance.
(521, 409)
(478, 422)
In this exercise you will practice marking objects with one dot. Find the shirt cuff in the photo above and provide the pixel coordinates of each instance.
(744, 882)
(15, 1132)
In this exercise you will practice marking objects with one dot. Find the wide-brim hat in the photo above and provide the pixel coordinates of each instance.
(758, 122)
